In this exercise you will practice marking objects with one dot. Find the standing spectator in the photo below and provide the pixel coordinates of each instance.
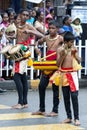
(33, 13)
(11, 14)
(17, 20)
(67, 20)
(16, 5)
(39, 23)
(52, 13)
(5, 23)
(29, 4)
(40, 26)
(5, 20)
(48, 7)
(30, 19)
(48, 18)
(0, 19)
(68, 4)
(3, 41)
(76, 24)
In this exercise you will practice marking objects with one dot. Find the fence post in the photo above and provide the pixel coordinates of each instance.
(32, 56)
(44, 50)
(80, 45)
(0, 65)
(85, 57)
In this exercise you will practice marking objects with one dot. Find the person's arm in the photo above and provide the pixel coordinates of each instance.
(74, 52)
(32, 30)
(35, 32)
(41, 28)
(40, 41)
(61, 54)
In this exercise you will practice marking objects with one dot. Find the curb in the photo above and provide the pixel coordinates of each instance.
(33, 84)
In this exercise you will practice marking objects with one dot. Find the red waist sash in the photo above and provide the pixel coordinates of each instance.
(53, 57)
(27, 42)
(62, 69)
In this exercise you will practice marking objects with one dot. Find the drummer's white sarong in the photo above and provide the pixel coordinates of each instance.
(72, 78)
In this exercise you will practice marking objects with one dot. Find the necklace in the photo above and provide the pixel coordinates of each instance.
(21, 26)
(52, 39)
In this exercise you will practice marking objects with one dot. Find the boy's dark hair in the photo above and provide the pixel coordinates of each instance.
(65, 18)
(48, 1)
(38, 13)
(22, 10)
(53, 22)
(16, 16)
(10, 10)
(51, 10)
(68, 36)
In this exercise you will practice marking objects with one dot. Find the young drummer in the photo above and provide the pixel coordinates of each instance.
(65, 56)
(24, 33)
(53, 41)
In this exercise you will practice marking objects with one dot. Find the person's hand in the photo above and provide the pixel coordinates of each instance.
(63, 52)
(27, 31)
(73, 51)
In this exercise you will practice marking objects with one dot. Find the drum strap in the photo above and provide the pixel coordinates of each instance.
(26, 43)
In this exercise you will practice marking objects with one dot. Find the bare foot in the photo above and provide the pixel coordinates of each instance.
(52, 114)
(39, 113)
(18, 106)
(77, 122)
(25, 106)
(67, 120)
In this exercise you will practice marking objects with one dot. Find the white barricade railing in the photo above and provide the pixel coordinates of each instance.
(82, 50)
(85, 57)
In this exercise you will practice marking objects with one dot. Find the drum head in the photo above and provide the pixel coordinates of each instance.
(6, 49)
(15, 49)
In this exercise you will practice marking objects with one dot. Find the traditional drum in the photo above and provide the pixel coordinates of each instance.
(5, 51)
(19, 52)
(45, 65)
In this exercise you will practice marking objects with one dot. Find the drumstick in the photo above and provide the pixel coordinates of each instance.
(48, 55)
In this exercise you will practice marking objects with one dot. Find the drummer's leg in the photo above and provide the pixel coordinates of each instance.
(42, 88)
(55, 98)
(19, 86)
(25, 89)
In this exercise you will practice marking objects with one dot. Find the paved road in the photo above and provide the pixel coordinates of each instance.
(12, 119)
